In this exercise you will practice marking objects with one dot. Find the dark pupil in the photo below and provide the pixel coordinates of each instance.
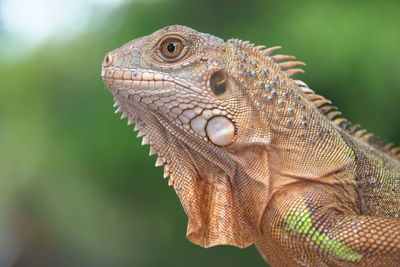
(171, 47)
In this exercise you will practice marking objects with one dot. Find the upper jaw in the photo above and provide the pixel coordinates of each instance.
(136, 81)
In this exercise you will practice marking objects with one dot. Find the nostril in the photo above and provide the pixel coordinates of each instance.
(108, 60)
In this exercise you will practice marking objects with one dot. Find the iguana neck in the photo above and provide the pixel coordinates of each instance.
(299, 133)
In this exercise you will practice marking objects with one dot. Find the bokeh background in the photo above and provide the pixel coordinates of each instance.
(76, 187)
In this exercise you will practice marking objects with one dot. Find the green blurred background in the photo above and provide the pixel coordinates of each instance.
(76, 187)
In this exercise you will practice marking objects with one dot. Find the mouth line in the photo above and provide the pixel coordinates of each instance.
(141, 81)
(135, 75)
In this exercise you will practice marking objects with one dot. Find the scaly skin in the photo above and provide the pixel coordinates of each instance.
(256, 157)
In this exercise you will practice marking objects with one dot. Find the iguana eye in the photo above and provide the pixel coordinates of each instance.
(171, 48)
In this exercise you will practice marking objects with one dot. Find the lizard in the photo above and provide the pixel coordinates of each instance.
(255, 156)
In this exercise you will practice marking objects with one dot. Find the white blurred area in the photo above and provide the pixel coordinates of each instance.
(33, 21)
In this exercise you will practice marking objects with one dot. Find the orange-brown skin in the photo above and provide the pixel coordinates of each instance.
(256, 157)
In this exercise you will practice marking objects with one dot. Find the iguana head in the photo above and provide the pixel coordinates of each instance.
(185, 78)
(196, 100)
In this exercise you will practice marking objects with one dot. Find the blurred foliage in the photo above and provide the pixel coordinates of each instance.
(76, 187)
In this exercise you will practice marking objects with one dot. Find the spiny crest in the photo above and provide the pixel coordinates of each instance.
(324, 105)
(287, 66)
(333, 114)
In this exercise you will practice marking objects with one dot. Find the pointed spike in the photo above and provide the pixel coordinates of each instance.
(333, 114)
(159, 162)
(321, 102)
(367, 137)
(166, 174)
(269, 50)
(167, 167)
(123, 116)
(301, 83)
(136, 128)
(130, 121)
(282, 57)
(327, 109)
(259, 47)
(140, 134)
(353, 128)
(360, 133)
(152, 151)
(291, 64)
(395, 150)
(291, 72)
(345, 125)
(145, 141)
(115, 104)
(314, 97)
(339, 121)
(388, 146)
(307, 90)
(119, 109)
(171, 180)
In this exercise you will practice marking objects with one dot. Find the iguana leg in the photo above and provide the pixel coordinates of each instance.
(307, 224)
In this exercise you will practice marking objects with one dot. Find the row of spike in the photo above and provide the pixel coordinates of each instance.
(333, 114)
(324, 105)
(145, 141)
(287, 66)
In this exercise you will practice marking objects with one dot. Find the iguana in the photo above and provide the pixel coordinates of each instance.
(255, 156)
